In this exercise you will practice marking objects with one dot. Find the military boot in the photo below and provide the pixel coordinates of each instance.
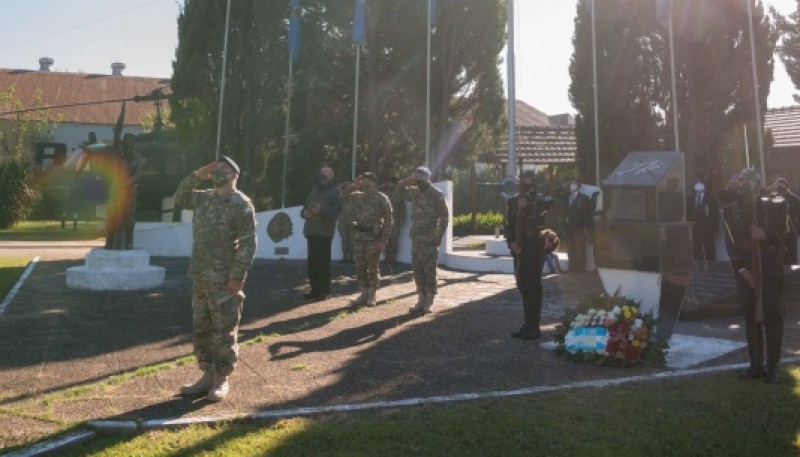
(361, 299)
(371, 301)
(420, 305)
(428, 305)
(755, 348)
(774, 339)
(220, 389)
(526, 309)
(201, 386)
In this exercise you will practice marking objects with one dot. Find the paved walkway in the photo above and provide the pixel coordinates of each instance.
(66, 354)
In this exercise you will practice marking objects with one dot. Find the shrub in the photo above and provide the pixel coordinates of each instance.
(17, 198)
(485, 224)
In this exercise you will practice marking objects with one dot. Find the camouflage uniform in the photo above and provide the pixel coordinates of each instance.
(371, 225)
(399, 214)
(224, 247)
(345, 227)
(429, 219)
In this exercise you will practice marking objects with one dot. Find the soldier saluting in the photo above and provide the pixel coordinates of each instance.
(525, 216)
(371, 227)
(756, 232)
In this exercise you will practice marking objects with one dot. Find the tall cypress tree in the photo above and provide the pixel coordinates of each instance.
(713, 74)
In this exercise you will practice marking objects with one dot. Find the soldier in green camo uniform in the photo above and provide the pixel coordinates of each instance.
(371, 226)
(345, 225)
(399, 214)
(223, 249)
(429, 219)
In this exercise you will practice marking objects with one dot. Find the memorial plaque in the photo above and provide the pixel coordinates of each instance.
(629, 204)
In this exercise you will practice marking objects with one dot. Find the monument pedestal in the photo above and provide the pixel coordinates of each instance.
(115, 270)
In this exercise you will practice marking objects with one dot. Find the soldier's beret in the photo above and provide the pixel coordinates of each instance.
(230, 162)
(423, 171)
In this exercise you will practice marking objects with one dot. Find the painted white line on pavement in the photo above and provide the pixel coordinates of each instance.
(18, 285)
(157, 424)
(49, 447)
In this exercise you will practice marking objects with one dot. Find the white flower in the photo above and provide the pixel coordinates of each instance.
(592, 311)
(616, 310)
(637, 323)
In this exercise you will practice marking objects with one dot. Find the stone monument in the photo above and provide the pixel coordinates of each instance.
(643, 246)
(118, 266)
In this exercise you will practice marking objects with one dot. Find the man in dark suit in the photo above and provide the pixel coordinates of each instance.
(577, 219)
(703, 209)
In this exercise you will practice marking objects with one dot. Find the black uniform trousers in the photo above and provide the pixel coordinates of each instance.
(772, 326)
(319, 264)
(528, 272)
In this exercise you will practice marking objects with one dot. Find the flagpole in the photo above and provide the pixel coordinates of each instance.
(596, 120)
(428, 93)
(674, 85)
(286, 132)
(222, 79)
(355, 113)
(512, 98)
(746, 147)
(755, 90)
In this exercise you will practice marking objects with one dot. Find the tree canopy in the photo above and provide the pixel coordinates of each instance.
(713, 70)
(466, 89)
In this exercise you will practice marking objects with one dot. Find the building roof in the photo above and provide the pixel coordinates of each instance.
(60, 88)
(541, 145)
(785, 126)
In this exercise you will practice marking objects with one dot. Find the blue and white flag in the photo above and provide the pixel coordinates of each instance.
(294, 29)
(358, 22)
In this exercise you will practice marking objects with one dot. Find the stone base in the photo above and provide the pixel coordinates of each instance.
(115, 270)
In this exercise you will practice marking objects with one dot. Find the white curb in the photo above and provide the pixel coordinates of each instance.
(49, 447)
(13, 292)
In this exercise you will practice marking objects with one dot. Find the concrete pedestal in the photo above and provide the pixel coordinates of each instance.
(115, 270)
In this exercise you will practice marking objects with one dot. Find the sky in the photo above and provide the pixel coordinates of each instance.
(88, 35)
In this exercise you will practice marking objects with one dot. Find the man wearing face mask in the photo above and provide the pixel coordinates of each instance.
(577, 218)
(371, 228)
(525, 218)
(703, 210)
(429, 219)
(322, 208)
(223, 249)
(793, 202)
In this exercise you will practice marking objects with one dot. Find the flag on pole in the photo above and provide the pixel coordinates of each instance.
(432, 5)
(663, 11)
(294, 29)
(358, 22)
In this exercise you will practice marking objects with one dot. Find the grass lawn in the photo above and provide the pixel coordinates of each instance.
(11, 269)
(715, 415)
(50, 231)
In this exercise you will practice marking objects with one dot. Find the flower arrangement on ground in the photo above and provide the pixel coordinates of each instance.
(609, 330)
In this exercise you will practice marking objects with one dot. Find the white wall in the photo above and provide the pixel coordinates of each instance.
(175, 239)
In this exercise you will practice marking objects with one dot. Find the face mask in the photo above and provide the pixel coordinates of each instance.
(699, 187)
(322, 178)
(573, 188)
(423, 183)
(220, 178)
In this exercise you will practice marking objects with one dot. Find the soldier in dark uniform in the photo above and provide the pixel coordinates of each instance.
(793, 202)
(525, 215)
(769, 231)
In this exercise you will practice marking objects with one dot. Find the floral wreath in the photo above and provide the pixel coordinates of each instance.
(609, 330)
